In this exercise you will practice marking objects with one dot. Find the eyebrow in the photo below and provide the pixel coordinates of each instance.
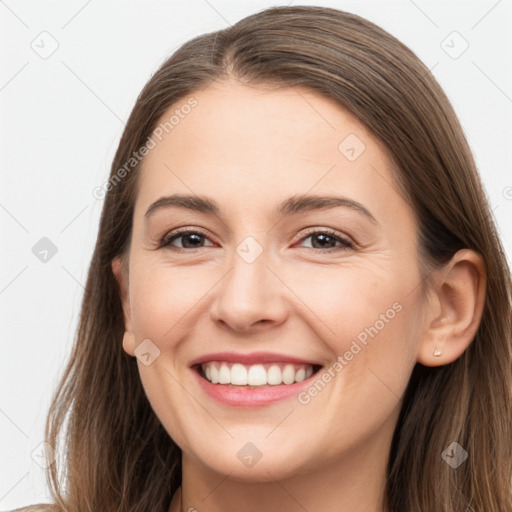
(292, 205)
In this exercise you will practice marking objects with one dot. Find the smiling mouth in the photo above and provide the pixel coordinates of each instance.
(255, 375)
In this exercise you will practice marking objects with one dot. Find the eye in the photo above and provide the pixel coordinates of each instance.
(190, 239)
(326, 240)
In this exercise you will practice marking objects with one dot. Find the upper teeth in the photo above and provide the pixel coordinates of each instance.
(256, 374)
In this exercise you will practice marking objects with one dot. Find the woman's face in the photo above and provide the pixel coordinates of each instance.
(264, 290)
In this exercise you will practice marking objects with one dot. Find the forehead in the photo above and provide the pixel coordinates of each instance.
(256, 141)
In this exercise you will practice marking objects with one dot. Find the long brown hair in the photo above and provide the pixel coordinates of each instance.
(112, 451)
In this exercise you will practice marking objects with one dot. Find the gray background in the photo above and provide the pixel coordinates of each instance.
(71, 71)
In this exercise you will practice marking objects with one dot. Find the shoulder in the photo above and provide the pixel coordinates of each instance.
(41, 507)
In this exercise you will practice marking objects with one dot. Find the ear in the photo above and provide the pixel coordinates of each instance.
(120, 272)
(454, 310)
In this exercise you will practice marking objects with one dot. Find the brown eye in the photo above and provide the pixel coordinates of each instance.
(325, 240)
(321, 241)
(190, 240)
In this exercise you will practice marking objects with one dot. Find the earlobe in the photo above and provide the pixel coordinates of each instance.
(129, 343)
(459, 294)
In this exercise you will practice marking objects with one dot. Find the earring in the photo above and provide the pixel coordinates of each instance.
(437, 352)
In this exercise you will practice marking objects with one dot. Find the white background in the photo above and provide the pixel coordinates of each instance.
(61, 121)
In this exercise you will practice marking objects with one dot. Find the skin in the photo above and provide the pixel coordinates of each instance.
(249, 148)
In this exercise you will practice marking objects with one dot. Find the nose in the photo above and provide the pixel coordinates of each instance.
(250, 296)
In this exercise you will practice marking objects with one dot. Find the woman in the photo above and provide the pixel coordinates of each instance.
(298, 298)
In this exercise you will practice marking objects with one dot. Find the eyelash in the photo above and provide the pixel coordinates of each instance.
(170, 237)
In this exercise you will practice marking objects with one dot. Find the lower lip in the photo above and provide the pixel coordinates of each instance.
(245, 396)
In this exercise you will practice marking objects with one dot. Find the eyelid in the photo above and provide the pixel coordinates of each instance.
(174, 234)
(347, 243)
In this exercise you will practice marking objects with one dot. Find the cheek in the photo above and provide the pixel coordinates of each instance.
(343, 302)
(373, 327)
(162, 298)
(368, 317)
(342, 305)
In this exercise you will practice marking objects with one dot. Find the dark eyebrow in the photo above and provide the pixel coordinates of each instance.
(196, 203)
(292, 205)
(298, 204)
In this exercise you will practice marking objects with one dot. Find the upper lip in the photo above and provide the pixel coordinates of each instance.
(252, 358)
